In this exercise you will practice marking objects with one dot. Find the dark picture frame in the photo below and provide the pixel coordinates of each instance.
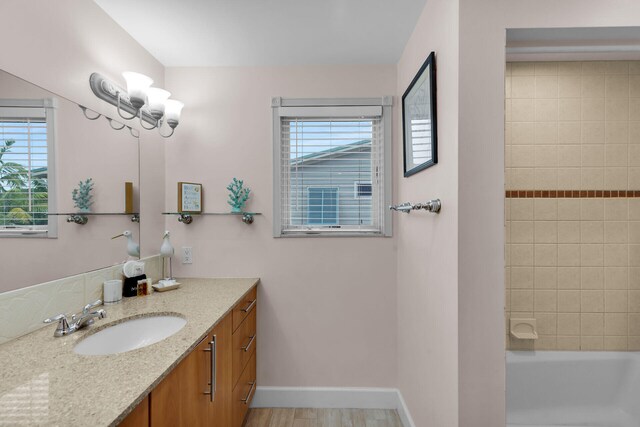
(420, 144)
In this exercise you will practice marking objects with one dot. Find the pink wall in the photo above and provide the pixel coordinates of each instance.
(63, 44)
(428, 244)
(481, 179)
(327, 314)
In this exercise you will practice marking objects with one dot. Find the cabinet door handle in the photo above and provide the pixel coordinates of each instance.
(212, 349)
(248, 398)
(250, 306)
(251, 340)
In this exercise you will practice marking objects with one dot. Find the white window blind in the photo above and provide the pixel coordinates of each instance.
(325, 154)
(24, 170)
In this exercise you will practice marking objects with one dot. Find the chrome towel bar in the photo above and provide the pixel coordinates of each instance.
(431, 206)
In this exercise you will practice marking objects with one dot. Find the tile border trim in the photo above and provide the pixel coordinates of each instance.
(568, 194)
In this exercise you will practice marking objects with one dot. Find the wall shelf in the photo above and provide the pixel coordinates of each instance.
(187, 218)
(82, 218)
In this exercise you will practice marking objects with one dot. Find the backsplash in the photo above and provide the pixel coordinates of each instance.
(23, 310)
(573, 203)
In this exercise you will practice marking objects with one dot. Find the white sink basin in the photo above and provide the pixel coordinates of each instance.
(130, 335)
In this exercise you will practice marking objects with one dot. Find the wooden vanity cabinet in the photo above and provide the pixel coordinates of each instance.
(139, 417)
(184, 398)
(244, 356)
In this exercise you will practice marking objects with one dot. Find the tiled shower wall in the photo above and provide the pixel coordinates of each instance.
(573, 203)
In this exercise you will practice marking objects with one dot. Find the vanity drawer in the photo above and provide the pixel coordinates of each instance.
(244, 391)
(244, 344)
(242, 308)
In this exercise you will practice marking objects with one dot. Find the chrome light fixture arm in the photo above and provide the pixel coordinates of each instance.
(116, 96)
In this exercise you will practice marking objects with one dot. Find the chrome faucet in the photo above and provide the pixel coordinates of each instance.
(78, 321)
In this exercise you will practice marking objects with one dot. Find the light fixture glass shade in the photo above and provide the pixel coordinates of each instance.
(172, 110)
(137, 87)
(156, 99)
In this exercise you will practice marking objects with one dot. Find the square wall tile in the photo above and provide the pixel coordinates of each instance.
(545, 278)
(617, 133)
(593, 86)
(522, 209)
(569, 86)
(617, 86)
(545, 300)
(546, 232)
(568, 232)
(521, 278)
(523, 87)
(546, 133)
(615, 343)
(568, 277)
(547, 86)
(568, 324)
(592, 301)
(568, 343)
(616, 302)
(521, 300)
(592, 324)
(569, 302)
(571, 132)
(546, 110)
(616, 109)
(569, 209)
(593, 132)
(588, 343)
(616, 278)
(592, 278)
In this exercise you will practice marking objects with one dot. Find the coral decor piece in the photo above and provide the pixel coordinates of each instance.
(82, 195)
(238, 195)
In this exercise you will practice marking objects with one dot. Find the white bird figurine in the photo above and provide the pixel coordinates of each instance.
(133, 248)
(166, 250)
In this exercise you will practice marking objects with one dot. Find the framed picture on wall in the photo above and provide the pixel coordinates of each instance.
(419, 122)
(189, 197)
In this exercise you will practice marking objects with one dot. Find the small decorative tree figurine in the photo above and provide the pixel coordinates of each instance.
(82, 195)
(238, 196)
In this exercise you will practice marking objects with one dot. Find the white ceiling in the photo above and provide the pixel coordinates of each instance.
(268, 32)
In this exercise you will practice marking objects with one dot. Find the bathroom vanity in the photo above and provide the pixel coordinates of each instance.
(204, 374)
(214, 384)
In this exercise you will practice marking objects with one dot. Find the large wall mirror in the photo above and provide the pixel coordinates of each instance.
(48, 144)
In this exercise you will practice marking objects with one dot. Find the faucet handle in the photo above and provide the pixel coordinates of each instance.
(60, 317)
(91, 305)
(63, 325)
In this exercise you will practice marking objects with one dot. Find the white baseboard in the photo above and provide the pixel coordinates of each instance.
(403, 412)
(332, 397)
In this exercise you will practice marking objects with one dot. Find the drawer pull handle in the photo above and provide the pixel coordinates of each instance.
(248, 398)
(212, 384)
(249, 307)
(248, 346)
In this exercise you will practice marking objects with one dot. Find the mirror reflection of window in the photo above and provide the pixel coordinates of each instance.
(26, 141)
(419, 123)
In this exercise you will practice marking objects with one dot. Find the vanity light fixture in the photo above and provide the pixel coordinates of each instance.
(139, 100)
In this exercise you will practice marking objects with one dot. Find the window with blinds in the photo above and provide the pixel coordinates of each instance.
(331, 170)
(24, 170)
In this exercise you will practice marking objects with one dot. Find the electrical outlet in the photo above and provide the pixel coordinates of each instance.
(187, 255)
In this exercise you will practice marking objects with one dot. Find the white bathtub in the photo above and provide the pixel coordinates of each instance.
(571, 388)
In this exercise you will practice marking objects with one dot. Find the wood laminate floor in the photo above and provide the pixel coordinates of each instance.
(303, 417)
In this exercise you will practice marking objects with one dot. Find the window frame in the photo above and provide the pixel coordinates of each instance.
(50, 106)
(386, 102)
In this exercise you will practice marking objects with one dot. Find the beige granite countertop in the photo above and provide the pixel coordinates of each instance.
(43, 382)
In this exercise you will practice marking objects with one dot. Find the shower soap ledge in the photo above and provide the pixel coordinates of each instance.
(523, 328)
